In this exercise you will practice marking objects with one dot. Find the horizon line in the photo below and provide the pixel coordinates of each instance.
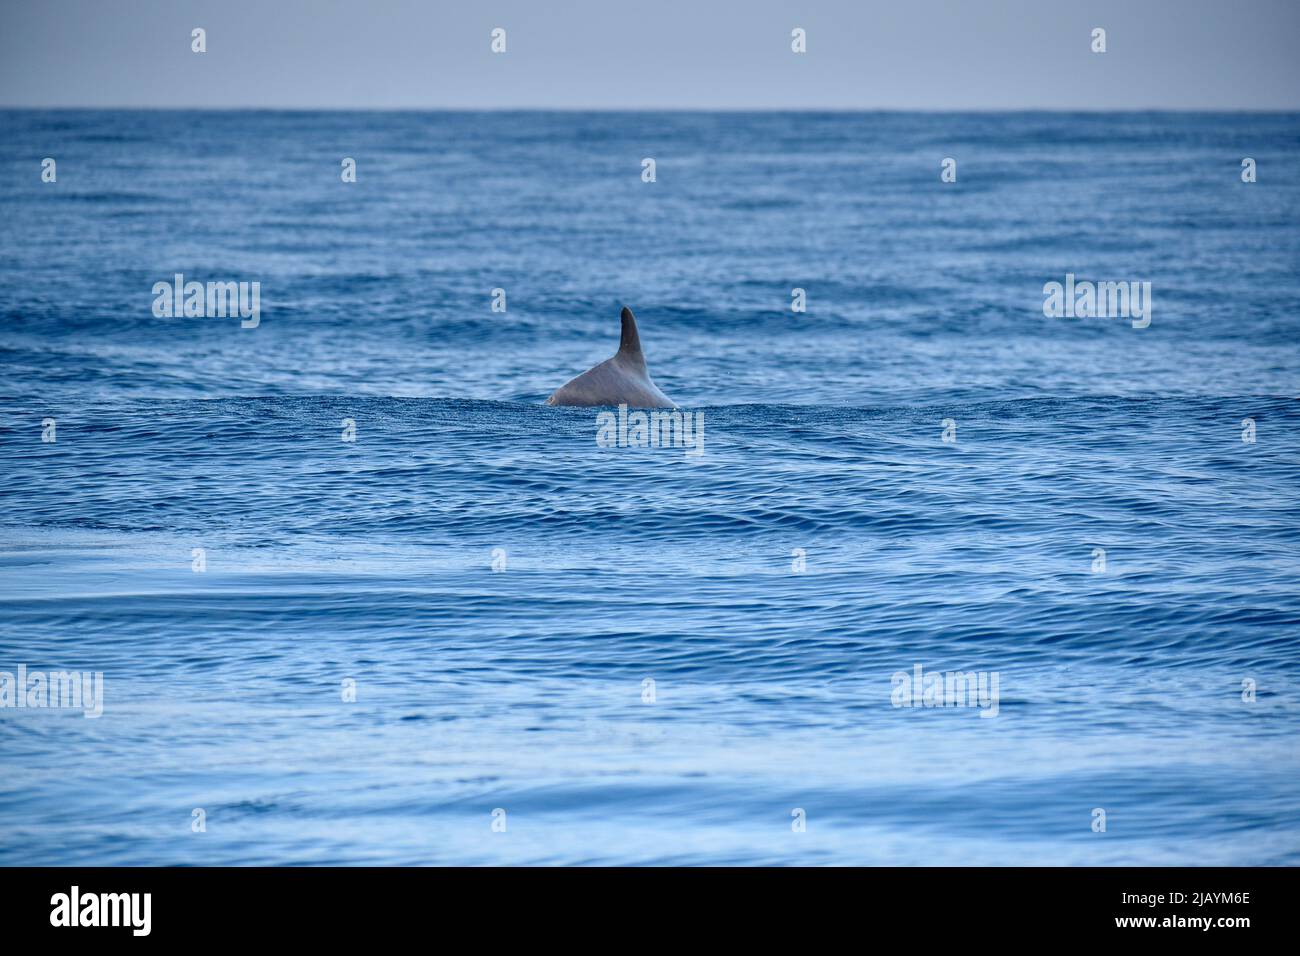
(655, 109)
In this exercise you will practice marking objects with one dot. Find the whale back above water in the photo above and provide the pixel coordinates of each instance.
(621, 380)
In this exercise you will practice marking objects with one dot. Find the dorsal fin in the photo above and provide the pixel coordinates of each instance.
(629, 346)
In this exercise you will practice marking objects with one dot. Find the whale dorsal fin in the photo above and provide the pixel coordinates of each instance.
(629, 345)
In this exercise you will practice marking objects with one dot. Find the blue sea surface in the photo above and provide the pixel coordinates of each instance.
(638, 655)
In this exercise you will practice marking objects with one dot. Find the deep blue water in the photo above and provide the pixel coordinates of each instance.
(522, 689)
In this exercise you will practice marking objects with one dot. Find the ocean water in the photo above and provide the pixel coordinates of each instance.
(678, 658)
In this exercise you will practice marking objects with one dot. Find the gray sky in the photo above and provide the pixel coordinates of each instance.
(862, 54)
